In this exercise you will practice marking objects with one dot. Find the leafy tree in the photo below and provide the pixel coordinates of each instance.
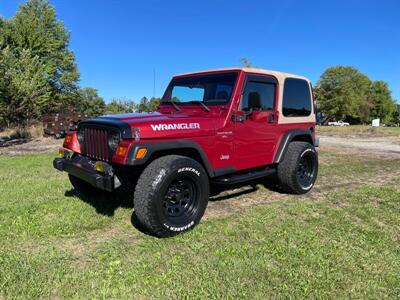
(344, 92)
(146, 105)
(35, 27)
(143, 104)
(396, 114)
(246, 63)
(383, 104)
(154, 102)
(88, 102)
(120, 106)
(23, 89)
(2, 24)
(34, 45)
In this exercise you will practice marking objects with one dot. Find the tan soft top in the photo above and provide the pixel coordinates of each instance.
(279, 75)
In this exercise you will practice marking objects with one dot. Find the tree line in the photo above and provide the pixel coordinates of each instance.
(91, 104)
(39, 75)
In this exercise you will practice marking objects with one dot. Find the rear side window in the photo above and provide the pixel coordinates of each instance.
(296, 98)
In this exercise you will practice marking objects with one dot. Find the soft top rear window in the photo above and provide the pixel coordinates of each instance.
(212, 89)
(297, 100)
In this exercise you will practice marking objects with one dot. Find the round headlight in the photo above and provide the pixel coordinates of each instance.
(113, 140)
(80, 136)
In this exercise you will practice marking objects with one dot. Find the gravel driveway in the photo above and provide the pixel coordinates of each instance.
(381, 146)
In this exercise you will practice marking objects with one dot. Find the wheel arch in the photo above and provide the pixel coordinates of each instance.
(292, 136)
(185, 148)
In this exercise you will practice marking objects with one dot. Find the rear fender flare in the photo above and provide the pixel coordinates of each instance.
(287, 138)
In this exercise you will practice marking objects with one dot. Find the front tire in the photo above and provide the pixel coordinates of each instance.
(298, 171)
(171, 195)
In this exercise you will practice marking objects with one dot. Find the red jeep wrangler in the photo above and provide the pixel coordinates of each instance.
(221, 126)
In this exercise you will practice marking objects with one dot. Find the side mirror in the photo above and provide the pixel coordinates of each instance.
(240, 116)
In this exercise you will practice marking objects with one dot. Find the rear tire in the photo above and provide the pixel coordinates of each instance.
(171, 195)
(298, 171)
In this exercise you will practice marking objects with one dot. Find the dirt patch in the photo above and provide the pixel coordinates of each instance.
(37, 145)
(82, 246)
(379, 147)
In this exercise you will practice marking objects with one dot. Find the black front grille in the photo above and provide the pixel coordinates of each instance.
(95, 143)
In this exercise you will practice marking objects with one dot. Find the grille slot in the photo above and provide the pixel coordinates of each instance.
(95, 143)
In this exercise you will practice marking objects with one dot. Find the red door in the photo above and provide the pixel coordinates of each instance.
(255, 129)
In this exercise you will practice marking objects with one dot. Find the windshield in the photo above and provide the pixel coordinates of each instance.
(213, 89)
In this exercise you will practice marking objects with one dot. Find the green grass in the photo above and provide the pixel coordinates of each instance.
(346, 166)
(362, 130)
(340, 244)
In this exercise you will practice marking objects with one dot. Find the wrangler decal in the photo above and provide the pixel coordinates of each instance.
(178, 126)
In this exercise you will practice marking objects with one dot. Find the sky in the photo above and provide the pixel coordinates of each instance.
(120, 44)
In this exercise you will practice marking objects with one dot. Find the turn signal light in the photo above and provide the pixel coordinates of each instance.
(121, 151)
(63, 153)
(68, 139)
(141, 153)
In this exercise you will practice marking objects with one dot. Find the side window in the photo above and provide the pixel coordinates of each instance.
(296, 98)
(258, 95)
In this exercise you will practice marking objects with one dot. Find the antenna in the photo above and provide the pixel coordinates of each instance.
(154, 82)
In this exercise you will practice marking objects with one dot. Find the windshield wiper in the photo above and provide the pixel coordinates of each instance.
(201, 103)
(173, 104)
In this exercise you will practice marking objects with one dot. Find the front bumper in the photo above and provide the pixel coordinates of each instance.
(84, 168)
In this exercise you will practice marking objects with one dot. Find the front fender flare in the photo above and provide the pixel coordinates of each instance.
(167, 145)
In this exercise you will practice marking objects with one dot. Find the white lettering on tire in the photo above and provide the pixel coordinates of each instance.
(172, 228)
(158, 178)
(186, 169)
